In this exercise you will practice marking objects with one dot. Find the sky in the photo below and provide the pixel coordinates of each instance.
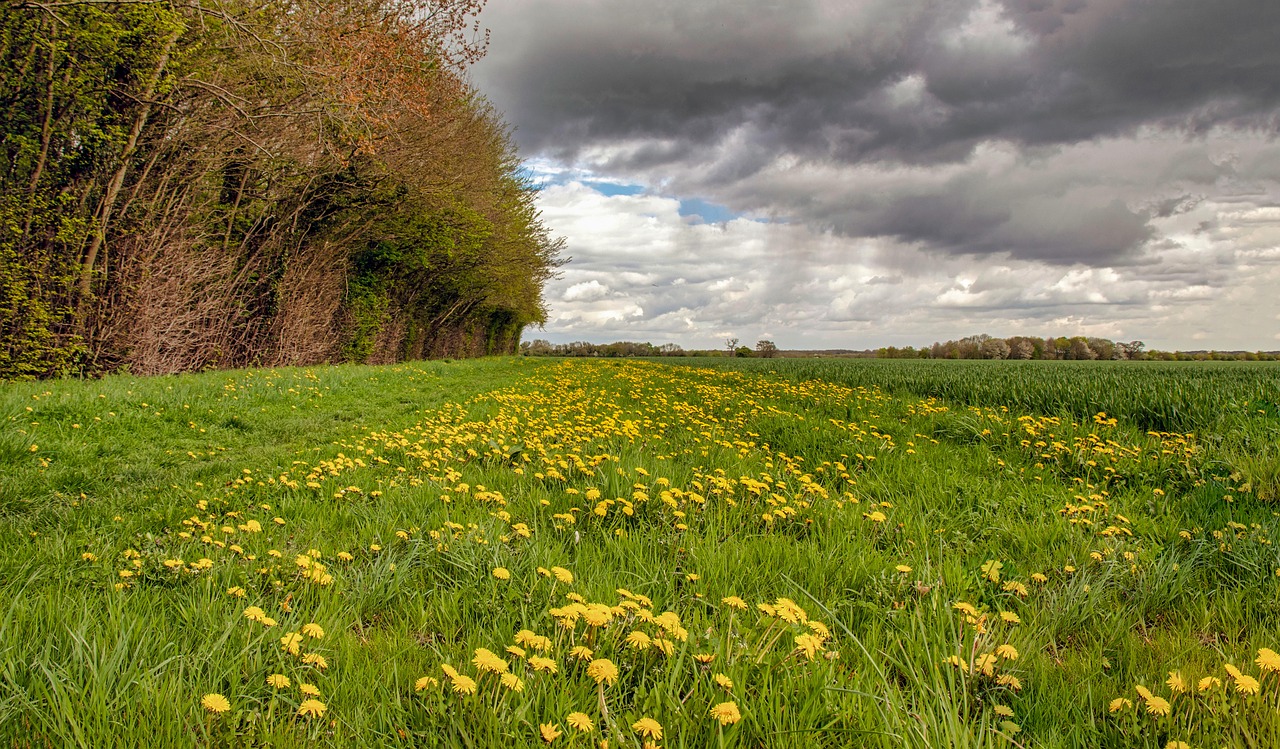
(867, 173)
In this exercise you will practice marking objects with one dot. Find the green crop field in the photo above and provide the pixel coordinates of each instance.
(587, 553)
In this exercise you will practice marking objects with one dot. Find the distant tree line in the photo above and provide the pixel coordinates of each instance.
(972, 347)
(540, 347)
(1061, 348)
(195, 183)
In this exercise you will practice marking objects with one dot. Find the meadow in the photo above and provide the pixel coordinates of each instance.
(585, 553)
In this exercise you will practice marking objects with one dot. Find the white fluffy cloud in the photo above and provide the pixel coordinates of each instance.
(641, 271)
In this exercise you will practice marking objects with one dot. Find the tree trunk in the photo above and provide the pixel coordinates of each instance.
(117, 180)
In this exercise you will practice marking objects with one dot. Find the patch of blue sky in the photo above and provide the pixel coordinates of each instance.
(614, 188)
(705, 212)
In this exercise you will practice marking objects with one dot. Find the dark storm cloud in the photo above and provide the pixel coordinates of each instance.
(707, 98)
(588, 72)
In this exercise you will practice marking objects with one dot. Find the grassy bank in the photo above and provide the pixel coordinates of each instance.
(510, 552)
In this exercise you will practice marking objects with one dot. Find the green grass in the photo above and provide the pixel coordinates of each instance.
(429, 476)
(1163, 396)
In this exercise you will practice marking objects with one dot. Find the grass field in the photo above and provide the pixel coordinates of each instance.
(516, 552)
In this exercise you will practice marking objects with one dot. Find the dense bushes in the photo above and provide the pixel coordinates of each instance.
(190, 186)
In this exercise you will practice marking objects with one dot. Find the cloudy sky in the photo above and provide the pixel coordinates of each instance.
(863, 173)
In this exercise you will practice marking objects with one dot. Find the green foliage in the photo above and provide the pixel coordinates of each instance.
(367, 304)
(33, 308)
(186, 187)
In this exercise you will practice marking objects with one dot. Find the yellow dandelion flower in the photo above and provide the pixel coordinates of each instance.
(424, 683)
(1177, 745)
(724, 682)
(734, 602)
(512, 682)
(704, 658)
(648, 727)
(1246, 684)
(308, 689)
(581, 722)
(1268, 660)
(1008, 652)
(788, 611)
(487, 661)
(1011, 681)
(215, 703)
(313, 631)
(727, 713)
(1016, 588)
(502, 573)
(1157, 705)
(1010, 618)
(1176, 682)
(549, 732)
(581, 652)
(986, 663)
(597, 614)
(602, 670)
(291, 643)
(516, 650)
(639, 640)
(463, 684)
(1207, 683)
(278, 681)
(904, 569)
(808, 645)
(1004, 711)
(563, 575)
(254, 613)
(312, 708)
(315, 659)
(543, 664)
(1039, 577)
(1118, 704)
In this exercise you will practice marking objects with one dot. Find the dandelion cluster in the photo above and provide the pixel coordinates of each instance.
(570, 544)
